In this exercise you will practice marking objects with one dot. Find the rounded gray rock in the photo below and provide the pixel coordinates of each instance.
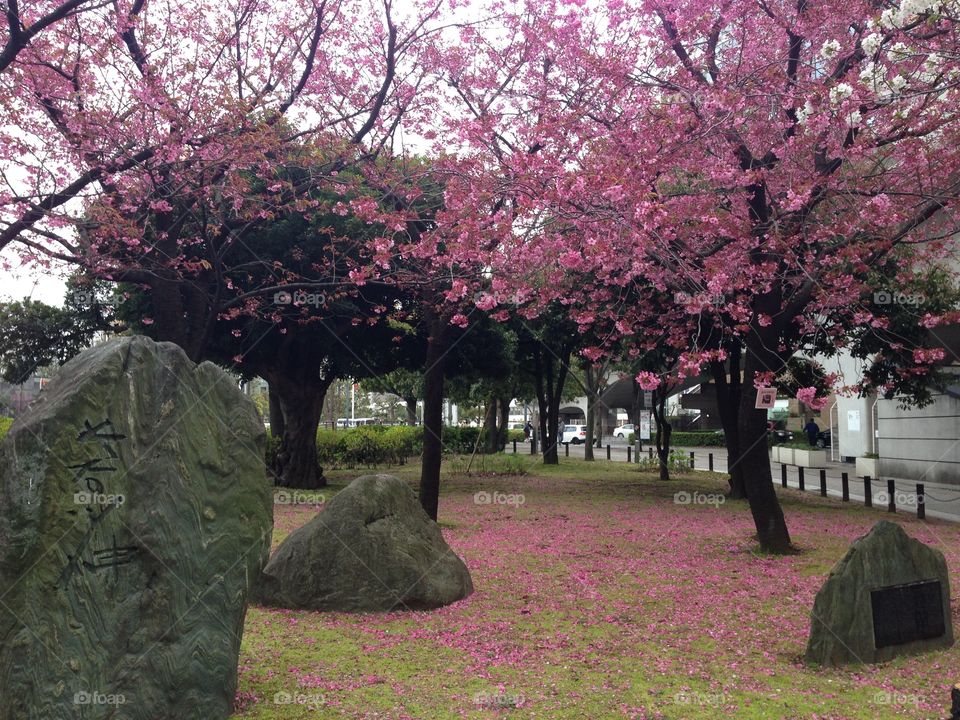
(372, 548)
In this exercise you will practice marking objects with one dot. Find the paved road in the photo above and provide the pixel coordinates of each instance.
(941, 501)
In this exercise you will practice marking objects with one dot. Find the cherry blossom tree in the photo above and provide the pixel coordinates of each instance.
(769, 153)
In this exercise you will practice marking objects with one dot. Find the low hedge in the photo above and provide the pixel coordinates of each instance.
(381, 445)
(695, 438)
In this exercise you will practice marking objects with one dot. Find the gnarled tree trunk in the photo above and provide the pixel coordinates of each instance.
(300, 396)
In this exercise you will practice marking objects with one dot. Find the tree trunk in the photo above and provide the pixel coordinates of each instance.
(543, 381)
(300, 398)
(276, 414)
(433, 379)
(664, 431)
(591, 382)
(503, 429)
(754, 461)
(728, 405)
(411, 404)
(489, 430)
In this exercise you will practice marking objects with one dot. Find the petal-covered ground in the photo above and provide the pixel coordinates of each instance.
(597, 597)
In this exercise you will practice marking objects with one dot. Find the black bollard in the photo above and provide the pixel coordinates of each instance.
(692, 456)
(783, 474)
(845, 486)
(566, 449)
(514, 447)
(891, 496)
(800, 476)
(921, 502)
(867, 492)
(710, 461)
(823, 483)
(608, 452)
(629, 453)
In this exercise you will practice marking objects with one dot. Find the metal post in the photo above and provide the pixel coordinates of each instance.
(783, 474)
(823, 483)
(891, 496)
(514, 447)
(566, 449)
(650, 453)
(629, 453)
(800, 476)
(608, 452)
(692, 456)
(921, 502)
(867, 493)
(710, 461)
(845, 485)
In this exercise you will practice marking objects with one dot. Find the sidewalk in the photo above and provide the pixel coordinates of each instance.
(941, 501)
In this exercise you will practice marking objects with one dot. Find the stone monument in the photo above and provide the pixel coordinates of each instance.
(888, 596)
(134, 515)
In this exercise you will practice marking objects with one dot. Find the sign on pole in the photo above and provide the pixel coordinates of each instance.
(766, 398)
(644, 427)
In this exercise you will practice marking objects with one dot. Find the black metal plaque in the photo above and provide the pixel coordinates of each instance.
(905, 613)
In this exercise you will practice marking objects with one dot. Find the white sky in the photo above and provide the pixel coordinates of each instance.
(32, 281)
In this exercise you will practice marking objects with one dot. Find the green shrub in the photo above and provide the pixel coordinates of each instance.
(698, 438)
(5, 424)
(676, 462)
(517, 435)
(328, 445)
(460, 440)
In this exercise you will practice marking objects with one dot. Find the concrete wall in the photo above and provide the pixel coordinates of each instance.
(921, 444)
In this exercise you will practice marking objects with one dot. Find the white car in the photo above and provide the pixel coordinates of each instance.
(574, 434)
(623, 431)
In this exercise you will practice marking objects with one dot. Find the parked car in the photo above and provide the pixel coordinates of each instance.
(574, 434)
(824, 439)
(777, 433)
(623, 431)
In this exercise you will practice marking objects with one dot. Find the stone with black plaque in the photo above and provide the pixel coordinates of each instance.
(888, 596)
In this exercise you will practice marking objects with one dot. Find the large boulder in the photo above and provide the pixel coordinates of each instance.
(888, 596)
(134, 515)
(372, 548)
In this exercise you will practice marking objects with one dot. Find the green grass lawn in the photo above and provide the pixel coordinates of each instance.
(597, 597)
